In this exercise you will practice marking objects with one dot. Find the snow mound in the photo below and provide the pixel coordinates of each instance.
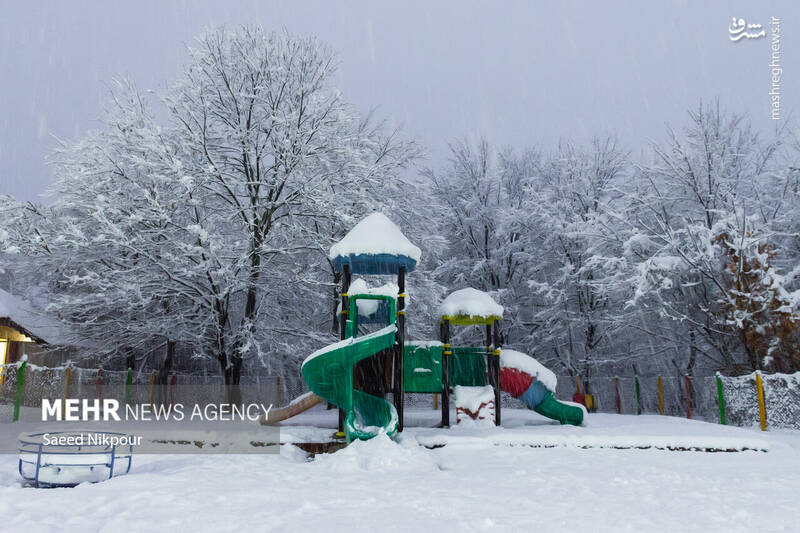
(380, 454)
(470, 302)
(525, 363)
(293, 454)
(374, 235)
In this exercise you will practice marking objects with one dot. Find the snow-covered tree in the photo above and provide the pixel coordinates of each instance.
(579, 279)
(207, 221)
(482, 211)
(712, 176)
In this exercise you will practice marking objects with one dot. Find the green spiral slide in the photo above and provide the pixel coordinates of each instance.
(329, 373)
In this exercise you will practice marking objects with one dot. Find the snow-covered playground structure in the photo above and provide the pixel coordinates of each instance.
(385, 362)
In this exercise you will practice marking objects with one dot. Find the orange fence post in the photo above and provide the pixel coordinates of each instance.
(435, 402)
(762, 409)
(152, 387)
(67, 377)
(172, 383)
(660, 396)
(688, 397)
(99, 383)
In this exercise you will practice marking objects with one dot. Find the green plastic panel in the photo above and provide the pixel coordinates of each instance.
(468, 367)
(422, 369)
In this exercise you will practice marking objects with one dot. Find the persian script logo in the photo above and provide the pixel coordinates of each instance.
(739, 29)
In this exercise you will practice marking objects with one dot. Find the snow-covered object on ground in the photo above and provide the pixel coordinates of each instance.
(526, 363)
(374, 235)
(377, 454)
(470, 302)
(474, 405)
(37, 323)
(370, 307)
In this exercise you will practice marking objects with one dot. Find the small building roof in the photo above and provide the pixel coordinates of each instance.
(375, 246)
(470, 306)
(18, 314)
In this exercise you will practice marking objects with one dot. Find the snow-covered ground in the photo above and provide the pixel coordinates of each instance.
(482, 480)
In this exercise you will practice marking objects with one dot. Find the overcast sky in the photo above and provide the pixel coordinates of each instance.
(518, 73)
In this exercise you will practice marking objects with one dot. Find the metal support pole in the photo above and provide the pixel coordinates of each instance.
(399, 389)
(495, 372)
(446, 354)
(343, 315)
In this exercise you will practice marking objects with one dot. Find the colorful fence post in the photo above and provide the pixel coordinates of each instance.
(660, 396)
(128, 381)
(618, 398)
(720, 400)
(20, 386)
(67, 377)
(172, 383)
(762, 410)
(99, 383)
(688, 397)
(152, 387)
(638, 396)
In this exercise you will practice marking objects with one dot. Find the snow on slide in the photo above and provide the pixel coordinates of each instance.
(525, 378)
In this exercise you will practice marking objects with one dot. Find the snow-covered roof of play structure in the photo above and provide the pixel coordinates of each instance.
(529, 365)
(375, 246)
(471, 302)
(36, 324)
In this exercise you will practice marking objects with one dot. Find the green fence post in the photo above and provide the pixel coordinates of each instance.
(720, 400)
(128, 381)
(638, 396)
(20, 386)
